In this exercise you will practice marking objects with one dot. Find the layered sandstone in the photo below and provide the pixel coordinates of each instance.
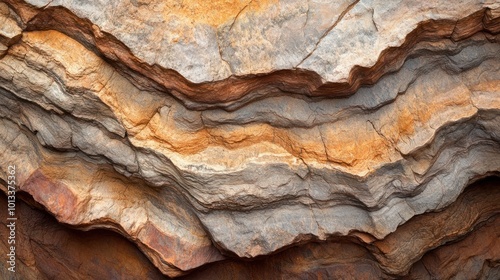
(210, 134)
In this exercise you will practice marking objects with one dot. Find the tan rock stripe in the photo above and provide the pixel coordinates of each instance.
(225, 92)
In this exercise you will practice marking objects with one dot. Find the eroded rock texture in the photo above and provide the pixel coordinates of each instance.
(259, 140)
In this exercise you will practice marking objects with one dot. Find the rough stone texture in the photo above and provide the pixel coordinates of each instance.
(233, 130)
(459, 254)
(211, 41)
(465, 255)
(48, 250)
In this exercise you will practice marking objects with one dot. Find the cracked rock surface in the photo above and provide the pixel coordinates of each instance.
(255, 139)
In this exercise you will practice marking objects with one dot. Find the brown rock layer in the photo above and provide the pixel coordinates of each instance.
(457, 250)
(48, 250)
(232, 93)
(269, 139)
(434, 245)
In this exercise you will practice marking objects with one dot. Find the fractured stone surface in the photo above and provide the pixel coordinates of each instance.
(464, 255)
(48, 250)
(211, 41)
(314, 122)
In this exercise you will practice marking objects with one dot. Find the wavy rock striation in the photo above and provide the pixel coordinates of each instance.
(209, 134)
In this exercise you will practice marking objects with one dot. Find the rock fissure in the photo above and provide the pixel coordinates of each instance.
(264, 140)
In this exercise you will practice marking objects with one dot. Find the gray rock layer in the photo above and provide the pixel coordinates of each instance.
(99, 147)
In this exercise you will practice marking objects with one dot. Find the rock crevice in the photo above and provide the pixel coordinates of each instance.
(385, 116)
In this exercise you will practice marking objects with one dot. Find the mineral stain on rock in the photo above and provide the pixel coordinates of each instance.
(251, 139)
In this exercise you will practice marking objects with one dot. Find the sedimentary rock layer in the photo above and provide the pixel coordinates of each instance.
(203, 133)
(48, 250)
(474, 245)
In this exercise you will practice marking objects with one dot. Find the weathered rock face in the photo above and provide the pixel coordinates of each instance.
(467, 255)
(47, 250)
(212, 134)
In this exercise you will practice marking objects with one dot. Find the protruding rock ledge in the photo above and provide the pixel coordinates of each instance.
(465, 234)
(236, 91)
(250, 165)
(48, 250)
(474, 246)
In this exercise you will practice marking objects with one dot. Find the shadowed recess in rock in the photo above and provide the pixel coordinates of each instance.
(49, 250)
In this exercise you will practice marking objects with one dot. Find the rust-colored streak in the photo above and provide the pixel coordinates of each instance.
(465, 230)
(215, 12)
(405, 123)
(53, 195)
(168, 247)
(235, 89)
(95, 254)
(477, 204)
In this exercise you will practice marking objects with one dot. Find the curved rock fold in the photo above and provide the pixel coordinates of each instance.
(275, 132)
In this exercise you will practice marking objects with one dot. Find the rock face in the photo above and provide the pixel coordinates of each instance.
(47, 250)
(260, 140)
